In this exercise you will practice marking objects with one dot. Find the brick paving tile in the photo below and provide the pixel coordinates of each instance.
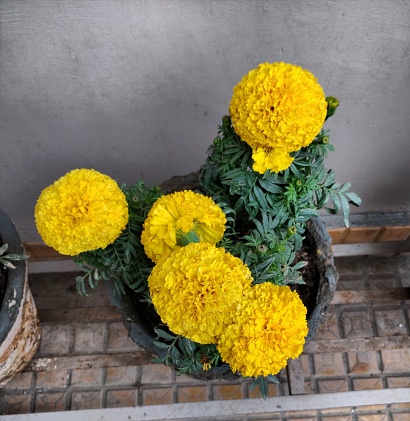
(15, 404)
(122, 398)
(306, 365)
(380, 282)
(273, 390)
(357, 324)
(332, 386)
(118, 339)
(300, 414)
(51, 379)
(396, 360)
(329, 364)
(124, 376)
(192, 394)
(86, 400)
(373, 417)
(404, 416)
(19, 382)
(87, 377)
(371, 408)
(351, 266)
(394, 382)
(89, 338)
(157, 396)
(348, 283)
(335, 411)
(156, 374)
(50, 402)
(55, 339)
(329, 328)
(390, 322)
(336, 418)
(367, 384)
(227, 391)
(400, 406)
(363, 363)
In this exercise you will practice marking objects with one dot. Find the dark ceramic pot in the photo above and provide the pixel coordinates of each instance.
(19, 324)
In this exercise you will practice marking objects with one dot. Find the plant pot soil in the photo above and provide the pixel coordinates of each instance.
(19, 324)
(319, 274)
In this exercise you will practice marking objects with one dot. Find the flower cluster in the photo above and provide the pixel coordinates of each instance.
(277, 108)
(178, 218)
(197, 289)
(269, 327)
(83, 210)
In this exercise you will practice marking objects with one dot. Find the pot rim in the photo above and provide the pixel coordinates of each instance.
(13, 297)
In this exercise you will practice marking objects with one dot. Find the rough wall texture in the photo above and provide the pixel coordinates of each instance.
(136, 89)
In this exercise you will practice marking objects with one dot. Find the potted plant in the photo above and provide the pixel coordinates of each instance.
(19, 324)
(215, 275)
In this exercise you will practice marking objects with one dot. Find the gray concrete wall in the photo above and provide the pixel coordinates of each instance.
(136, 89)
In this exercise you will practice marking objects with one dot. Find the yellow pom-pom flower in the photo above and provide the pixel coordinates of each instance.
(278, 105)
(84, 210)
(269, 327)
(178, 214)
(274, 160)
(197, 289)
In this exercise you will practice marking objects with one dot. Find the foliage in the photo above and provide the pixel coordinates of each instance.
(6, 259)
(287, 200)
(124, 261)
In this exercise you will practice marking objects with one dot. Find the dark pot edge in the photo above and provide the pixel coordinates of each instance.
(15, 277)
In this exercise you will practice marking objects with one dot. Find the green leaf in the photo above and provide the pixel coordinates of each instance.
(354, 199)
(272, 379)
(345, 208)
(270, 187)
(175, 355)
(160, 344)
(263, 387)
(189, 346)
(3, 248)
(164, 335)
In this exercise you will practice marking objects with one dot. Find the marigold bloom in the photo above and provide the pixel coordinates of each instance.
(278, 105)
(197, 289)
(274, 160)
(83, 210)
(269, 327)
(180, 213)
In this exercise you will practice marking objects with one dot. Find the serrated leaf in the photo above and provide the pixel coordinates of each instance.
(164, 335)
(175, 355)
(189, 346)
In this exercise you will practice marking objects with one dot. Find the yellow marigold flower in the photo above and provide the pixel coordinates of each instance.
(177, 214)
(274, 160)
(278, 105)
(196, 290)
(83, 210)
(269, 327)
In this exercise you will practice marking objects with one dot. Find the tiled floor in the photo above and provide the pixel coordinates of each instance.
(86, 360)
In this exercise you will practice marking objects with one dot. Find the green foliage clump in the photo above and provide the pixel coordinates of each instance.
(123, 262)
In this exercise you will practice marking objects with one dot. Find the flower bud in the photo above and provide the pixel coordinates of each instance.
(292, 230)
(332, 104)
(325, 140)
(226, 120)
(262, 248)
